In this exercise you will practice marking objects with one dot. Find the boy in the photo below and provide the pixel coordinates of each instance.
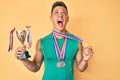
(58, 50)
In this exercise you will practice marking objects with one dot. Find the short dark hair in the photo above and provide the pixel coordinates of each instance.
(58, 3)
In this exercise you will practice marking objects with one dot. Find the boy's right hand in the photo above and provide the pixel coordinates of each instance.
(19, 51)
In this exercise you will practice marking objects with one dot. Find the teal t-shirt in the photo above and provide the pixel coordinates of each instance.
(51, 71)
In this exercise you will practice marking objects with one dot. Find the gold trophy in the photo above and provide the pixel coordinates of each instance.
(21, 35)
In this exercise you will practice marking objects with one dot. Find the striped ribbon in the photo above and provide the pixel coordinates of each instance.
(28, 36)
(11, 40)
(60, 54)
(70, 37)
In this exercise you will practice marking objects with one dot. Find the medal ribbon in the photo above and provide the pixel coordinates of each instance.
(70, 37)
(11, 40)
(29, 39)
(60, 54)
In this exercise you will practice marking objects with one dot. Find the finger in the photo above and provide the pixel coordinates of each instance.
(19, 51)
(16, 55)
(88, 47)
(85, 53)
(88, 52)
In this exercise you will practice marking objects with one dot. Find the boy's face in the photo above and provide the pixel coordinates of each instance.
(59, 18)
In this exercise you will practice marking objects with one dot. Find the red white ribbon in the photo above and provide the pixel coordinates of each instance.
(29, 39)
(70, 37)
(11, 40)
(60, 54)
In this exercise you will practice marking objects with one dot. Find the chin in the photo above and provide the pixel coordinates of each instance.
(60, 29)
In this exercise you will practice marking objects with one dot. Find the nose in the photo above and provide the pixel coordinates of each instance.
(60, 15)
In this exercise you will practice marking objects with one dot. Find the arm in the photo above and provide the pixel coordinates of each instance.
(36, 63)
(82, 57)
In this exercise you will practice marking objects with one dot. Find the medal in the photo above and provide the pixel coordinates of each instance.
(60, 54)
(60, 64)
(63, 63)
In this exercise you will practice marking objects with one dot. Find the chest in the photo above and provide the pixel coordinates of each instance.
(48, 49)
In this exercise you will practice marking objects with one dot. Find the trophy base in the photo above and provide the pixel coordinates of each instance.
(24, 56)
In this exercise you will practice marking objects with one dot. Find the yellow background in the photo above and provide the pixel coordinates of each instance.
(96, 21)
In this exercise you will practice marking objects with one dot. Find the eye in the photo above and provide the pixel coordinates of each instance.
(64, 13)
(56, 12)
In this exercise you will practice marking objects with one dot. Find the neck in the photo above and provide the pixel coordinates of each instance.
(62, 31)
(59, 36)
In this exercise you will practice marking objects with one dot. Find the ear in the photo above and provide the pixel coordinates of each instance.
(67, 18)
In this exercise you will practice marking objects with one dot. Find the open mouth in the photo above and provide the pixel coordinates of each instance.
(60, 23)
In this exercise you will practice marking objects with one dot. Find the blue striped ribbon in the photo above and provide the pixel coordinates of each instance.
(70, 37)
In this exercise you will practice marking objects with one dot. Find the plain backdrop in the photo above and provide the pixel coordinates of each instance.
(95, 21)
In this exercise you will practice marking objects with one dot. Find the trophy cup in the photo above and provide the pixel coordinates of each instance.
(21, 35)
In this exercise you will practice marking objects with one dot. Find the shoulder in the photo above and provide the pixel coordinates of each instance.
(46, 39)
(43, 40)
(48, 36)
